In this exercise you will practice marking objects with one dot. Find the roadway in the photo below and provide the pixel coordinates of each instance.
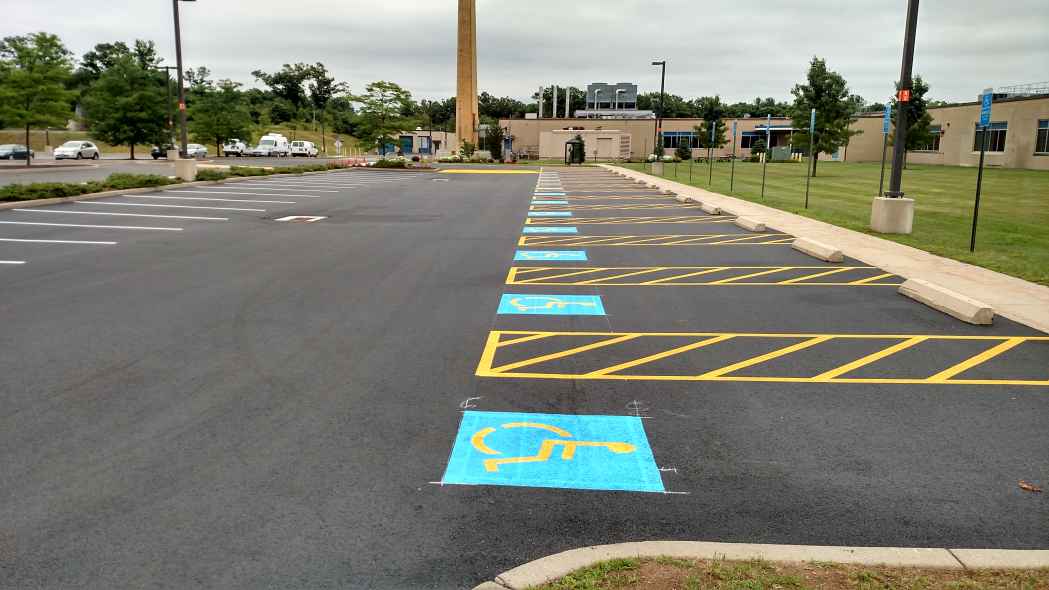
(199, 395)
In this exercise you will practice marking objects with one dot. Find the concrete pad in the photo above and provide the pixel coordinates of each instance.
(892, 216)
(1003, 558)
(750, 224)
(949, 302)
(186, 170)
(681, 199)
(818, 250)
(489, 586)
(710, 209)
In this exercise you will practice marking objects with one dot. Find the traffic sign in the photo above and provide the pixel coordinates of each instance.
(886, 122)
(985, 106)
(553, 451)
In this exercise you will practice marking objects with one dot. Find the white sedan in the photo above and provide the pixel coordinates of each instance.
(77, 150)
(195, 150)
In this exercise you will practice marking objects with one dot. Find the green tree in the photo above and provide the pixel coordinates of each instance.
(713, 111)
(919, 120)
(673, 105)
(221, 114)
(288, 83)
(323, 89)
(493, 140)
(33, 72)
(106, 55)
(827, 92)
(380, 116)
(127, 105)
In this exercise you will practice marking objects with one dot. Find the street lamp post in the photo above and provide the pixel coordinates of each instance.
(183, 133)
(899, 148)
(659, 115)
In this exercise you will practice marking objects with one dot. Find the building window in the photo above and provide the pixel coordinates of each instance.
(995, 138)
(673, 139)
(746, 141)
(934, 142)
(1041, 144)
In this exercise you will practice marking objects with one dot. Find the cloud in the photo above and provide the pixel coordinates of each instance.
(737, 50)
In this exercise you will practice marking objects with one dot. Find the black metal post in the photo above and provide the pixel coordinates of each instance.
(768, 152)
(979, 183)
(884, 148)
(732, 174)
(183, 133)
(808, 175)
(899, 148)
(710, 154)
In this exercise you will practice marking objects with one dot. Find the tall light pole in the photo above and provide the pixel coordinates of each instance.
(183, 134)
(659, 115)
(903, 96)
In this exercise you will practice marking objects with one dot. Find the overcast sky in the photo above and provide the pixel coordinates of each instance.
(736, 49)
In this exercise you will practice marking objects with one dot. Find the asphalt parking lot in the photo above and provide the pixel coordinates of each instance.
(450, 374)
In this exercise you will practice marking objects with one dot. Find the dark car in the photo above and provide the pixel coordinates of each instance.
(14, 151)
(160, 151)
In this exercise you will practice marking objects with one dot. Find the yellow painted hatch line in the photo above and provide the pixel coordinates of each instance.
(658, 240)
(739, 276)
(899, 342)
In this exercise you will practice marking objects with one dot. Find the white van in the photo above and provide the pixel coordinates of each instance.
(272, 145)
(306, 149)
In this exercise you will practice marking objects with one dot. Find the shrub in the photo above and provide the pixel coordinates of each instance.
(683, 152)
(49, 190)
(416, 159)
(210, 174)
(390, 164)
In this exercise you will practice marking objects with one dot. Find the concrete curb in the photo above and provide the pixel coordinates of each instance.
(750, 224)
(553, 567)
(953, 304)
(818, 250)
(149, 189)
(1011, 297)
(710, 209)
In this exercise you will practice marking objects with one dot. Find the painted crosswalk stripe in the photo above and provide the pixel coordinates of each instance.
(91, 226)
(122, 204)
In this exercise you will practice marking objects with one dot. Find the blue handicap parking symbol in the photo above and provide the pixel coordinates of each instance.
(521, 304)
(549, 213)
(545, 194)
(553, 451)
(536, 202)
(564, 229)
(547, 255)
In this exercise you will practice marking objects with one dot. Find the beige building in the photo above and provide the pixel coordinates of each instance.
(1019, 135)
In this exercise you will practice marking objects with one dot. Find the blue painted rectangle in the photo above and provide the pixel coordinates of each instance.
(985, 107)
(553, 451)
(565, 229)
(549, 213)
(886, 121)
(549, 255)
(532, 304)
(541, 194)
(537, 202)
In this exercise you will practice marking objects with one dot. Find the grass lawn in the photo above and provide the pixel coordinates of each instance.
(666, 573)
(1013, 233)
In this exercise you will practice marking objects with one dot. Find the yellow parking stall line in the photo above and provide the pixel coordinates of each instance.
(990, 353)
(796, 280)
(750, 275)
(564, 353)
(619, 276)
(870, 358)
(872, 279)
(513, 341)
(559, 276)
(659, 355)
(767, 357)
(687, 274)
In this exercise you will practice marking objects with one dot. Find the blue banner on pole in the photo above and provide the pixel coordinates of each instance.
(985, 107)
(812, 122)
(886, 122)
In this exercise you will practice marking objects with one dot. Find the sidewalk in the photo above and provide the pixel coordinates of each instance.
(1010, 297)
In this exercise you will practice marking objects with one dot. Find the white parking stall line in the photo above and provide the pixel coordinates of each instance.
(12, 261)
(83, 242)
(262, 188)
(208, 199)
(239, 193)
(122, 204)
(305, 187)
(121, 214)
(91, 226)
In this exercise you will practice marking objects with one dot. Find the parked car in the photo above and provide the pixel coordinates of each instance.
(271, 144)
(77, 150)
(161, 151)
(234, 147)
(195, 150)
(306, 149)
(15, 151)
